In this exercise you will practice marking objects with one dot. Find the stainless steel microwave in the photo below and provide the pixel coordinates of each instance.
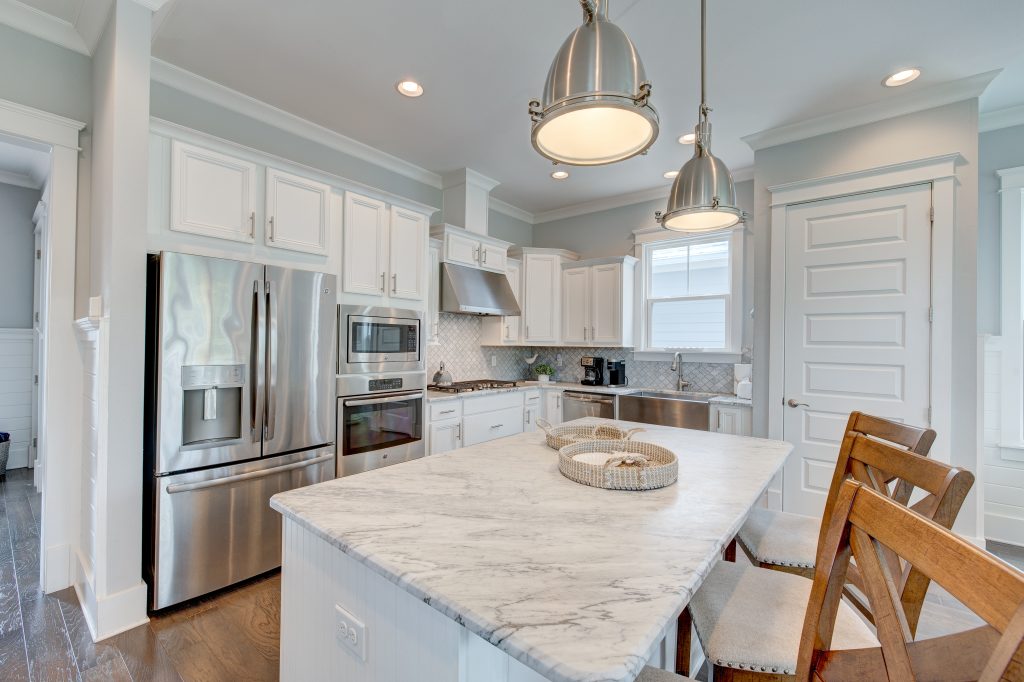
(373, 340)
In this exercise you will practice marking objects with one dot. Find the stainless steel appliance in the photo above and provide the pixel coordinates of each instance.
(617, 373)
(380, 420)
(476, 292)
(239, 401)
(593, 371)
(577, 404)
(376, 340)
(682, 410)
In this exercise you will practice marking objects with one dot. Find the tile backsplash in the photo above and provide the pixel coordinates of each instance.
(466, 359)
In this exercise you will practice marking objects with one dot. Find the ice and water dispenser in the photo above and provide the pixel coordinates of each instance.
(212, 407)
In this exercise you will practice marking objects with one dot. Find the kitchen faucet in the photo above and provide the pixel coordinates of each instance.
(677, 367)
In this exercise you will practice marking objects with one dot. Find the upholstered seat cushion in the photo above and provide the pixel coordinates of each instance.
(775, 537)
(751, 618)
(649, 674)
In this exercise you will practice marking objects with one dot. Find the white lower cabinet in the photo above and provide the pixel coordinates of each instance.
(553, 406)
(532, 409)
(445, 435)
(480, 428)
(468, 421)
(736, 420)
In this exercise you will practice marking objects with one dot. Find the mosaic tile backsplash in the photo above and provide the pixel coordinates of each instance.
(466, 359)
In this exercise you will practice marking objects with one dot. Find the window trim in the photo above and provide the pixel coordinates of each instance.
(732, 353)
(1012, 290)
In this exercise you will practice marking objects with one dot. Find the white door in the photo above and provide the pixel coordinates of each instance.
(212, 194)
(857, 331)
(606, 304)
(541, 287)
(408, 253)
(445, 436)
(510, 330)
(296, 212)
(460, 249)
(365, 245)
(576, 305)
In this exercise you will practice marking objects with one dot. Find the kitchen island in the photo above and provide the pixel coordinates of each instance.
(486, 564)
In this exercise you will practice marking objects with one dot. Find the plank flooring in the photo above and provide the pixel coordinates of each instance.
(232, 635)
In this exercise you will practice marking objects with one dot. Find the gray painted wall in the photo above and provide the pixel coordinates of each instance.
(42, 75)
(510, 229)
(997, 149)
(16, 273)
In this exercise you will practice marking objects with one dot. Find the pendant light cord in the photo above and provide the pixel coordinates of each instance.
(588, 10)
(704, 108)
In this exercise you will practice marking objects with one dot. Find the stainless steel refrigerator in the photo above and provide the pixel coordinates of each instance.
(239, 406)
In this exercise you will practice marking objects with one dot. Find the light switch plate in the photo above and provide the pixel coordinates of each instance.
(350, 632)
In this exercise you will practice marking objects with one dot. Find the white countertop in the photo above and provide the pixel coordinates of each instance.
(565, 385)
(731, 400)
(575, 582)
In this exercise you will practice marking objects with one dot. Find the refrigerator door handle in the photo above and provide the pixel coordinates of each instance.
(272, 353)
(258, 356)
(186, 487)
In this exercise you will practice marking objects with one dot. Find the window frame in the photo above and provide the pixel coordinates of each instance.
(646, 244)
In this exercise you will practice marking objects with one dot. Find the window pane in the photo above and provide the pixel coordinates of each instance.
(688, 324)
(709, 268)
(669, 272)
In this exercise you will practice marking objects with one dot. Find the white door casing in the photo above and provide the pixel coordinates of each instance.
(857, 329)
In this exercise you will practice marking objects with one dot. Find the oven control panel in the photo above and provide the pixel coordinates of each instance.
(385, 384)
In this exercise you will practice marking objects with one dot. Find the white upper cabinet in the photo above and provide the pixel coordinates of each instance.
(212, 194)
(493, 256)
(541, 284)
(576, 305)
(408, 249)
(461, 249)
(506, 331)
(470, 248)
(296, 212)
(597, 302)
(364, 262)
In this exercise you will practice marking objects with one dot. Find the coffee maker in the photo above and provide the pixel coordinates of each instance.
(593, 371)
(617, 373)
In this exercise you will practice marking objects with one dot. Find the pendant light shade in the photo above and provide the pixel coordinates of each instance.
(595, 107)
(703, 197)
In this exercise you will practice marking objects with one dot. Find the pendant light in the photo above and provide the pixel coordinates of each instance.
(703, 198)
(595, 107)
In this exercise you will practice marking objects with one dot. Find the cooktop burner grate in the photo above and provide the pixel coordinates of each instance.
(470, 386)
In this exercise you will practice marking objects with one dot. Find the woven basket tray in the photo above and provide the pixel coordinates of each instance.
(656, 467)
(560, 436)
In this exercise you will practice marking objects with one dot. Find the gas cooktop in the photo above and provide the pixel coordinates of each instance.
(470, 386)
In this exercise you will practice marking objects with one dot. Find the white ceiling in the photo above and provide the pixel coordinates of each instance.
(335, 62)
(21, 163)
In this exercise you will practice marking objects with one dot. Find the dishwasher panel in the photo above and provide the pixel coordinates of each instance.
(577, 404)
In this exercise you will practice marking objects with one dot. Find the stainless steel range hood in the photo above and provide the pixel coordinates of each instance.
(476, 292)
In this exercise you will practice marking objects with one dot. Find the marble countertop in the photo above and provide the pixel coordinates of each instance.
(731, 400)
(565, 385)
(575, 582)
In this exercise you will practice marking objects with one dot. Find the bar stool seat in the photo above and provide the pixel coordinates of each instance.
(780, 538)
(649, 674)
(751, 619)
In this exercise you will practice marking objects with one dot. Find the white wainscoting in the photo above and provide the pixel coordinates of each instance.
(1003, 476)
(16, 393)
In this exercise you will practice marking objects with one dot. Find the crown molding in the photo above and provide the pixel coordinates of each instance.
(1001, 118)
(606, 204)
(192, 84)
(512, 211)
(45, 26)
(468, 176)
(39, 126)
(18, 180)
(898, 105)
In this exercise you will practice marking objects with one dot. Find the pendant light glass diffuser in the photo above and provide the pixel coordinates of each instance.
(703, 198)
(595, 107)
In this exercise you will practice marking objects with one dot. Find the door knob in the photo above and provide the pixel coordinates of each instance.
(793, 403)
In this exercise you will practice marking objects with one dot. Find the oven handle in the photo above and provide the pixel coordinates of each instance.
(388, 399)
(185, 487)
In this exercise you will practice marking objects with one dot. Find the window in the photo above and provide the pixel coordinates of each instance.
(689, 294)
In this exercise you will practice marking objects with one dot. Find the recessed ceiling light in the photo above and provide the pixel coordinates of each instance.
(560, 175)
(671, 175)
(409, 88)
(688, 138)
(901, 77)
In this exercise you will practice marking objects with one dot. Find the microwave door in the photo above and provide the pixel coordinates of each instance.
(299, 365)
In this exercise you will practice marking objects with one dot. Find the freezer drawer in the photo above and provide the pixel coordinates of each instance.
(215, 527)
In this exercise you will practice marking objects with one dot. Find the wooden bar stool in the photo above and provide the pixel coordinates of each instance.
(881, 534)
(748, 619)
(788, 542)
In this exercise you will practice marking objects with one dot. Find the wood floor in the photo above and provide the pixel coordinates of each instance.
(230, 636)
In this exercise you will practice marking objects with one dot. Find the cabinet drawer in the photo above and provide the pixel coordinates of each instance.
(531, 397)
(480, 428)
(489, 403)
(445, 409)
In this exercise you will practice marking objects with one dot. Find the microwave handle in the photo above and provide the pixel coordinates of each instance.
(388, 399)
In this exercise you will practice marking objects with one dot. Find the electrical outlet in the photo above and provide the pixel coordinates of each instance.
(350, 632)
(494, 360)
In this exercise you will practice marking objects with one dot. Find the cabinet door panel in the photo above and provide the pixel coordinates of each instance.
(296, 212)
(460, 249)
(408, 253)
(212, 194)
(365, 243)
(553, 406)
(606, 305)
(542, 285)
(445, 436)
(493, 257)
(576, 305)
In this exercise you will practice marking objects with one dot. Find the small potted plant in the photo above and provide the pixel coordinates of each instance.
(544, 372)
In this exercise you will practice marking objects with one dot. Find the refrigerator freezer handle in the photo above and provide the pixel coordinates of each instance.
(258, 354)
(272, 353)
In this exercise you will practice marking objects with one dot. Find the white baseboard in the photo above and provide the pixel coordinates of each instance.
(86, 595)
(113, 614)
(1004, 529)
(57, 568)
